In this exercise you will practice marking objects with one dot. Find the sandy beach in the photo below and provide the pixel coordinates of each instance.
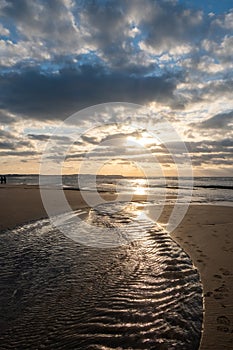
(205, 234)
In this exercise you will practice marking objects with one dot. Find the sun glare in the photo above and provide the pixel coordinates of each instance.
(140, 191)
(140, 187)
(143, 140)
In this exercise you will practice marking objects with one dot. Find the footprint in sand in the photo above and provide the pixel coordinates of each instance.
(223, 324)
(225, 272)
(221, 292)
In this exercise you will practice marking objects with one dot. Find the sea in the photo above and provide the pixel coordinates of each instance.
(198, 190)
(144, 293)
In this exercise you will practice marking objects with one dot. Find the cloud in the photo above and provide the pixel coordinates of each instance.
(4, 31)
(42, 30)
(5, 134)
(46, 137)
(218, 121)
(90, 140)
(169, 25)
(50, 29)
(211, 152)
(5, 145)
(50, 22)
(39, 137)
(18, 153)
(222, 50)
(206, 146)
(5, 118)
(13, 53)
(13, 141)
(55, 96)
(57, 57)
(224, 21)
(209, 91)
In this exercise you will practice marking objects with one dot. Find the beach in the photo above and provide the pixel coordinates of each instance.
(205, 234)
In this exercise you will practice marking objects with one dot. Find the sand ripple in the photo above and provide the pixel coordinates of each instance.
(58, 294)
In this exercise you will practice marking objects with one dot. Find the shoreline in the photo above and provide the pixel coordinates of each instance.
(205, 234)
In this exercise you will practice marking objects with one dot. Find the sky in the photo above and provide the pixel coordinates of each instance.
(174, 58)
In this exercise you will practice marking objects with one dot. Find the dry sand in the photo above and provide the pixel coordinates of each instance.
(206, 234)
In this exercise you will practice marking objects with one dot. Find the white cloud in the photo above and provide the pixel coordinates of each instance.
(225, 21)
(12, 53)
(223, 50)
(208, 65)
(167, 51)
(4, 31)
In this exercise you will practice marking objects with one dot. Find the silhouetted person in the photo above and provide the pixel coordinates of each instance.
(3, 179)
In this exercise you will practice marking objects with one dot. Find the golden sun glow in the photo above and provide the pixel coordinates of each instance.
(140, 191)
(141, 187)
(144, 139)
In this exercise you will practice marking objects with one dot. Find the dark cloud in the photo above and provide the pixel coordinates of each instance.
(221, 120)
(18, 10)
(208, 146)
(11, 141)
(5, 119)
(205, 152)
(39, 137)
(6, 145)
(14, 144)
(5, 134)
(212, 159)
(200, 152)
(116, 138)
(18, 153)
(105, 20)
(163, 22)
(211, 152)
(89, 139)
(168, 24)
(48, 21)
(45, 137)
(55, 96)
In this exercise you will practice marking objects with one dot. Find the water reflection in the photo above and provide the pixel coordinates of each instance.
(140, 187)
(64, 295)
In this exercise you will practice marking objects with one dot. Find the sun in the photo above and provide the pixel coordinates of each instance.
(144, 139)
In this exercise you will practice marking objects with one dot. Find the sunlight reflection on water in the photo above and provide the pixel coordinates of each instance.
(61, 294)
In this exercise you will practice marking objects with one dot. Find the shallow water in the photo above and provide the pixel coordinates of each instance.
(59, 294)
(206, 190)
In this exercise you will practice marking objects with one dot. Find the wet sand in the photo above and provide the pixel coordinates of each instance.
(206, 234)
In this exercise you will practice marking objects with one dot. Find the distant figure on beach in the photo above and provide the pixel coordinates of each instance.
(3, 179)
